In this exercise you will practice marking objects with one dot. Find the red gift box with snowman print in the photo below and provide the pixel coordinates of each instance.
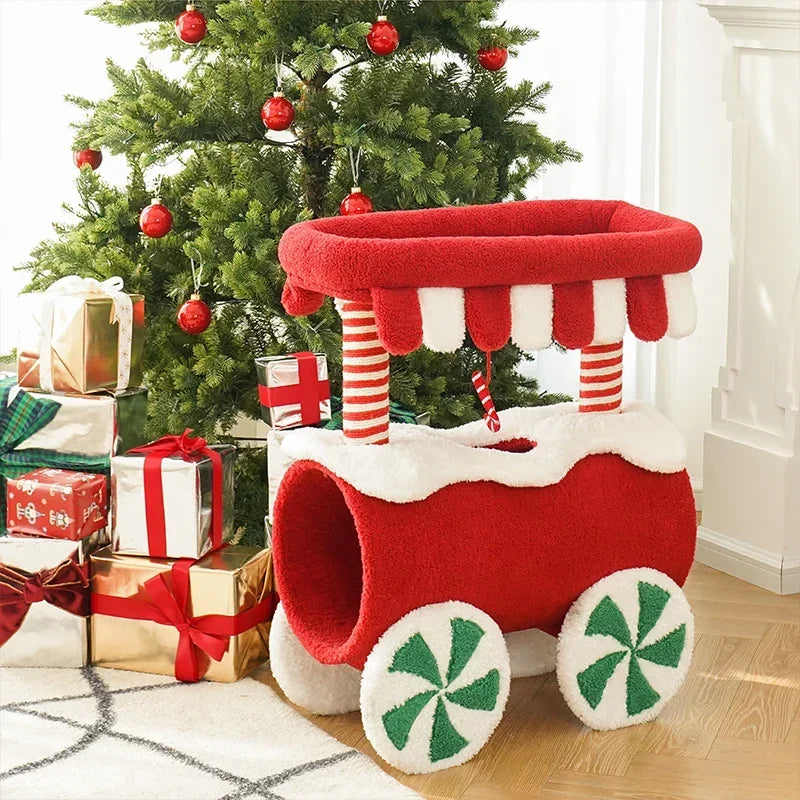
(57, 503)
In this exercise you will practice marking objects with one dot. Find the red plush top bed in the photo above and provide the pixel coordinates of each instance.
(485, 251)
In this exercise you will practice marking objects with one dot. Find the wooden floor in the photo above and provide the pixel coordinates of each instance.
(732, 732)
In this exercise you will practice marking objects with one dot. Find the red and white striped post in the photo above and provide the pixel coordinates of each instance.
(365, 376)
(601, 378)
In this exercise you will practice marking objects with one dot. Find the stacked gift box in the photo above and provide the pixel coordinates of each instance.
(294, 392)
(115, 552)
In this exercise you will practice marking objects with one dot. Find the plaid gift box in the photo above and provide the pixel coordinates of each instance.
(70, 432)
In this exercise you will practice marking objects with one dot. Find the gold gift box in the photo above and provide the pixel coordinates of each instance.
(227, 581)
(83, 344)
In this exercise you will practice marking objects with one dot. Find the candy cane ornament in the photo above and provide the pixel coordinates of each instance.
(491, 416)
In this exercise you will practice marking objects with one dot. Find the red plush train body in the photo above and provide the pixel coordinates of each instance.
(418, 575)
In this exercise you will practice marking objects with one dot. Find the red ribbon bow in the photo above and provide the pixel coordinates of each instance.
(309, 390)
(64, 586)
(167, 600)
(172, 605)
(155, 452)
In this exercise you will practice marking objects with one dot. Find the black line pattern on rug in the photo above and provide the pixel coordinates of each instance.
(85, 696)
(265, 784)
(251, 787)
(244, 787)
(105, 719)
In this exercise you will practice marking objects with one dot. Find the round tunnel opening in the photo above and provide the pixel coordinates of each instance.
(516, 445)
(318, 553)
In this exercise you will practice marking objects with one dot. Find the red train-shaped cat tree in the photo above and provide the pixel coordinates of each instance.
(400, 567)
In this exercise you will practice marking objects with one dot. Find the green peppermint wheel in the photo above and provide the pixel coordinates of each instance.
(625, 648)
(434, 687)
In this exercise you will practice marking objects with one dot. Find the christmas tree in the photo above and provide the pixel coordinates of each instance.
(426, 122)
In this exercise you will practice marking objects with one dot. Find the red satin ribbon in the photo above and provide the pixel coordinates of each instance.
(308, 391)
(166, 601)
(155, 452)
(64, 586)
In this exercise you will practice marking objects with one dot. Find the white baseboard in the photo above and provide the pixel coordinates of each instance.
(752, 564)
(791, 576)
(697, 491)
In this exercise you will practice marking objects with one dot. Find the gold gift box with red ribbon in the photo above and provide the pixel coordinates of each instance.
(205, 618)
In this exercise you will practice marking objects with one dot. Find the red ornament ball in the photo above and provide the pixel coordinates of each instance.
(155, 220)
(355, 203)
(194, 316)
(492, 58)
(191, 25)
(383, 37)
(277, 113)
(91, 157)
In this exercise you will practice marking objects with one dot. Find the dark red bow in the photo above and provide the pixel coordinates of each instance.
(65, 586)
(167, 602)
(154, 453)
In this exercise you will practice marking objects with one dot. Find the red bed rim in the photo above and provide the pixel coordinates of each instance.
(576, 248)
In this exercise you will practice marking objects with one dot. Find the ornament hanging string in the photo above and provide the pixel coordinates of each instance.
(197, 277)
(278, 73)
(355, 164)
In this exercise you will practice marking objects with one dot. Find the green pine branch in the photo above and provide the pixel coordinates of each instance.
(434, 128)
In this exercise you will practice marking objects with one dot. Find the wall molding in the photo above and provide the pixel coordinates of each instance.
(772, 24)
(770, 14)
(760, 567)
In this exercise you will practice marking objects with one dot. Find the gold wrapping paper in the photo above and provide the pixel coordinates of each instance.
(83, 344)
(227, 582)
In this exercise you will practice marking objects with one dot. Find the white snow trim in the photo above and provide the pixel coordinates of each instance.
(419, 460)
(576, 651)
(531, 652)
(681, 304)
(443, 318)
(610, 311)
(532, 316)
(382, 690)
(321, 688)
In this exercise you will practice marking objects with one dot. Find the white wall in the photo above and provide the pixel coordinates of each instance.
(637, 88)
(751, 520)
(48, 48)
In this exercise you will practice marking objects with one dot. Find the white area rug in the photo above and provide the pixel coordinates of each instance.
(100, 733)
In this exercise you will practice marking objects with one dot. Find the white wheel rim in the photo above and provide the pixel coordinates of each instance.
(321, 688)
(434, 687)
(625, 648)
